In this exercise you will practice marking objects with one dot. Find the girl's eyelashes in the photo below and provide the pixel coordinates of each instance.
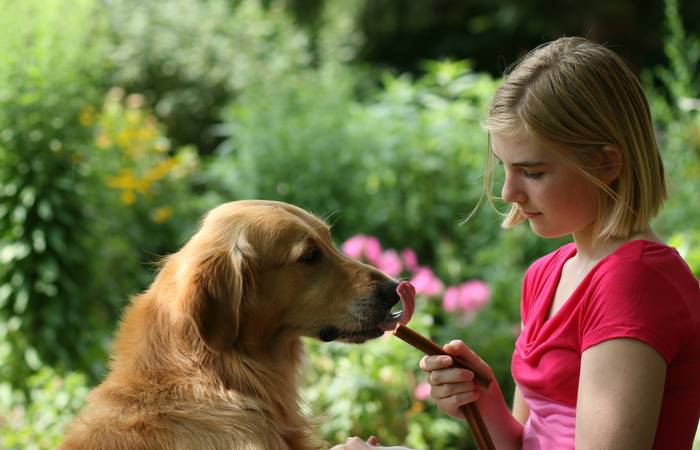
(532, 175)
(526, 173)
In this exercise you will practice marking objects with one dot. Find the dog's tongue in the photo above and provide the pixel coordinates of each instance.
(407, 294)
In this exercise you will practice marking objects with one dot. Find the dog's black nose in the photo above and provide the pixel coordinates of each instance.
(387, 292)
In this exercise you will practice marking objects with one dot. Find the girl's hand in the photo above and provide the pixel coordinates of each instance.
(452, 387)
(355, 443)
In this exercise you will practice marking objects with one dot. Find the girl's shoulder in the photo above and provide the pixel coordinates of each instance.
(643, 259)
(650, 273)
(646, 291)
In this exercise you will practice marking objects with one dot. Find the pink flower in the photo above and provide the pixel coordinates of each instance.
(425, 282)
(450, 301)
(353, 246)
(422, 391)
(410, 259)
(360, 246)
(473, 295)
(390, 263)
(372, 250)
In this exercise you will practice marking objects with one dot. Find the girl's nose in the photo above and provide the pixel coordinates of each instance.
(511, 191)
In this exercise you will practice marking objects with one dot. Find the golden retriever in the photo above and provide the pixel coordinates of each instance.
(208, 356)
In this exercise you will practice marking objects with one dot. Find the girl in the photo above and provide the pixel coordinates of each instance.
(609, 352)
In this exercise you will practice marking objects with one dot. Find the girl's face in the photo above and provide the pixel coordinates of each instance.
(552, 196)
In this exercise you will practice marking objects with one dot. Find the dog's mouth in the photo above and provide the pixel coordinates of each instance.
(407, 296)
(331, 333)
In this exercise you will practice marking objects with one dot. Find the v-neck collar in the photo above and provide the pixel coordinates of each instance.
(541, 326)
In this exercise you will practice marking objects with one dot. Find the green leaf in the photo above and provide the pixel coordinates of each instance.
(5, 292)
(21, 301)
(31, 357)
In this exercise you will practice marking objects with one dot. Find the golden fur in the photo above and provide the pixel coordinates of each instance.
(208, 356)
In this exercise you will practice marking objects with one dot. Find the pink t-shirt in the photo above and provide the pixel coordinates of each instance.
(644, 291)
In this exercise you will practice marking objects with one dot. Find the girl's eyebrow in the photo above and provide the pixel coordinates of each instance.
(522, 163)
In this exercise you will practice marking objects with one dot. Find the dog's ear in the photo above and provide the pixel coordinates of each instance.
(215, 302)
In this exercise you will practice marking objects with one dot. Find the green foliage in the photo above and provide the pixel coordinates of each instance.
(49, 71)
(683, 53)
(404, 165)
(71, 248)
(38, 423)
(370, 390)
(189, 57)
(146, 186)
(676, 108)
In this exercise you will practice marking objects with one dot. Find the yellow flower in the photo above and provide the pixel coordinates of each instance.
(128, 197)
(133, 117)
(125, 181)
(124, 139)
(144, 186)
(146, 133)
(416, 407)
(162, 214)
(160, 170)
(87, 116)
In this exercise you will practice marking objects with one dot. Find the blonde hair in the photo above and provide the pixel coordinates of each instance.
(579, 96)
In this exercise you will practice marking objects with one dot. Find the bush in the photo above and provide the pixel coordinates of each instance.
(189, 58)
(146, 186)
(404, 165)
(38, 423)
(50, 67)
(675, 104)
(86, 201)
(67, 266)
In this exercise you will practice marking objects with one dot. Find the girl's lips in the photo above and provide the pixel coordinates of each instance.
(530, 215)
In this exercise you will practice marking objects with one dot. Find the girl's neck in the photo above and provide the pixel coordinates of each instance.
(591, 250)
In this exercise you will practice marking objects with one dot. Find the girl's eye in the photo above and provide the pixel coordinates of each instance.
(533, 175)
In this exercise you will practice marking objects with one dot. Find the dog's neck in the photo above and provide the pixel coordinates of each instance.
(180, 361)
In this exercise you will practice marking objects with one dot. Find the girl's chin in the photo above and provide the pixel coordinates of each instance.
(547, 233)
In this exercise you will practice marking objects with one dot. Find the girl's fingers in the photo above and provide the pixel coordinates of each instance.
(434, 362)
(453, 375)
(354, 443)
(451, 389)
(460, 349)
(452, 404)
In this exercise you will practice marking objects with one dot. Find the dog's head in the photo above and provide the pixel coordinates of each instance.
(257, 270)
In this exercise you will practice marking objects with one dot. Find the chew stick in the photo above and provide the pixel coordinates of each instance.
(471, 411)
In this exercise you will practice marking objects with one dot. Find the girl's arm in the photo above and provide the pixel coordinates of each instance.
(619, 397)
(521, 411)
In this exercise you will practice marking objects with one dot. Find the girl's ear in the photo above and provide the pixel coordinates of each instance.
(612, 161)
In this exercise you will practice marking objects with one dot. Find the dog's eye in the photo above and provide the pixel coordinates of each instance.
(312, 255)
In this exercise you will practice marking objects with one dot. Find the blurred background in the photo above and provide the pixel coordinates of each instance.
(123, 121)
